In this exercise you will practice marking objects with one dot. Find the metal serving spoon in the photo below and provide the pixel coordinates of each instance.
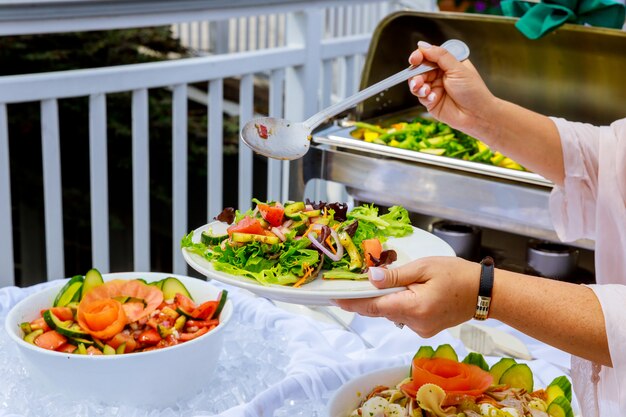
(281, 139)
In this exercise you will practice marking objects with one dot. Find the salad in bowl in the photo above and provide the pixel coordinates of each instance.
(123, 338)
(93, 317)
(438, 384)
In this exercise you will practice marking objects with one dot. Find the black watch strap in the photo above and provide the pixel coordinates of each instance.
(485, 288)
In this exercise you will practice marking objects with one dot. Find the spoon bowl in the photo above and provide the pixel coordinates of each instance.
(277, 138)
(281, 139)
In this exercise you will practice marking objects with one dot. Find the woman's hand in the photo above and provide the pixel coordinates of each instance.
(441, 293)
(455, 93)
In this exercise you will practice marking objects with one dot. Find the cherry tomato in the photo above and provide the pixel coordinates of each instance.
(273, 214)
(247, 225)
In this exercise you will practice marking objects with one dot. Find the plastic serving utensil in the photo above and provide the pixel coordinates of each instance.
(281, 139)
(481, 341)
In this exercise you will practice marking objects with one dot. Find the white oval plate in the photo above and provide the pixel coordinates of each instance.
(321, 291)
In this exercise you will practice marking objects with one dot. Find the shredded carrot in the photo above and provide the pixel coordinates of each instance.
(330, 245)
(309, 230)
(308, 271)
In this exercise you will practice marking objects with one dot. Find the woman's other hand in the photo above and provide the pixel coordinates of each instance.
(455, 93)
(441, 293)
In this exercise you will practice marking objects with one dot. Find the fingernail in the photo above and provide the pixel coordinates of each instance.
(377, 274)
(423, 44)
(412, 84)
(431, 97)
(422, 91)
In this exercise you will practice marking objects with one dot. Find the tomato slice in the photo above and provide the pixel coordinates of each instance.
(189, 336)
(205, 310)
(247, 225)
(371, 249)
(50, 340)
(273, 214)
(149, 337)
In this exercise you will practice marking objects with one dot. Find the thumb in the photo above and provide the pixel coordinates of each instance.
(440, 56)
(397, 277)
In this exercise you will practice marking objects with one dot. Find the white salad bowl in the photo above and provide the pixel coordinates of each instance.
(156, 378)
(348, 397)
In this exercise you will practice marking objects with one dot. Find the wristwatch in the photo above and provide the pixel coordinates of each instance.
(487, 266)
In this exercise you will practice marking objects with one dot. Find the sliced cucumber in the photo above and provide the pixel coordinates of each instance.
(30, 337)
(80, 341)
(553, 391)
(180, 322)
(446, 351)
(172, 286)
(121, 349)
(500, 367)
(25, 327)
(93, 279)
(312, 213)
(69, 292)
(247, 237)
(158, 284)
(164, 331)
(518, 376)
(298, 226)
(423, 352)
(292, 210)
(477, 359)
(99, 344)
(66, 328)
(560, 407)
(221, 303)
(565, 385)
(81, 349)
(184, 313)
(108, 350)
(210, 239)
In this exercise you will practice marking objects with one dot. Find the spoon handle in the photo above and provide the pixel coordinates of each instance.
(456, 47)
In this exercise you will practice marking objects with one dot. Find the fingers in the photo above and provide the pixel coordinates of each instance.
(440, 56)
(397, 277)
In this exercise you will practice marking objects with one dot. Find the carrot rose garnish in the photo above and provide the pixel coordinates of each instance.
(102, 318)
(452, 376)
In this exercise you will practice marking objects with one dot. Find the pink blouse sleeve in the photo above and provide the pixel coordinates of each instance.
(612, 298)
(572, 206)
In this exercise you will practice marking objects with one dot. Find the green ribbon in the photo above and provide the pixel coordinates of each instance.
(537, 19)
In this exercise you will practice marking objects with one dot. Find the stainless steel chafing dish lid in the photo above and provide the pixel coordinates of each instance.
(575, 72)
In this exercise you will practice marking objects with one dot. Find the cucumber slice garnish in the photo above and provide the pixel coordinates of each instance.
(518, 376)
(69, 292)
(500, 367)
(172, 286)
(446, 351)
(477, 359)
(93, 279)
(221, 303)
(64, 328)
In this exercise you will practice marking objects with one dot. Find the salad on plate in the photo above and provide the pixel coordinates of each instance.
(438, 384)
(291, 244)
(92, 317)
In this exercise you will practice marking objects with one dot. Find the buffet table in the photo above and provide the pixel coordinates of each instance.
(275, 362)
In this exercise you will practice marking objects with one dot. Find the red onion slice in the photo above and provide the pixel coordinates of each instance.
(278, 233)
(334, 256)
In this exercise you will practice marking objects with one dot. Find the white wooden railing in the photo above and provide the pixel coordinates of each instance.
(301, 81)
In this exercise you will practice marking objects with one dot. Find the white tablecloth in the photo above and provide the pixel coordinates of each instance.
(304, 361)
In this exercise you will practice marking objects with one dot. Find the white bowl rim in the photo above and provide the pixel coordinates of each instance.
(10, 325)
